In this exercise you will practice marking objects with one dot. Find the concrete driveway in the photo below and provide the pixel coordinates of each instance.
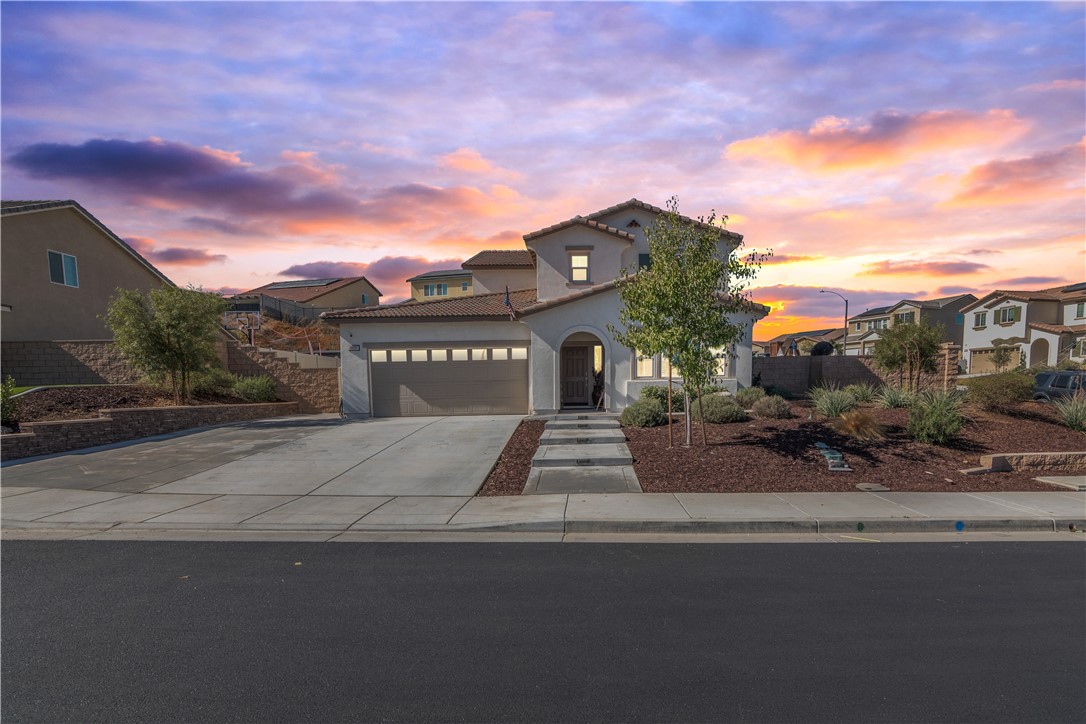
(318, 455)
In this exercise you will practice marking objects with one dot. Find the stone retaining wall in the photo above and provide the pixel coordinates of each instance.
(118, 425)
(1008, 462)
(315, 390)
(74, 362)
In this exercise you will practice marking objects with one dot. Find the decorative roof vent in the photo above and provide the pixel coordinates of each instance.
(633, 224)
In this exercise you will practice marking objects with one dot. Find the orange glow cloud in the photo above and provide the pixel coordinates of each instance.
(1038, 178)
(467, 159)
(890, 139)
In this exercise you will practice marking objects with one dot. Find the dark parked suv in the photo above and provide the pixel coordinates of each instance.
(1059, 383)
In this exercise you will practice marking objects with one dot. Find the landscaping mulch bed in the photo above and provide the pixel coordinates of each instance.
(80, 403)
(511, 473)
(779, 456)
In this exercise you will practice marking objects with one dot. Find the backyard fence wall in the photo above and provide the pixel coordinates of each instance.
(796, 375)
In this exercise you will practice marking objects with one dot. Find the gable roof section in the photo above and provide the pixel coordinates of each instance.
(1059, 328)
(501, 259)
(595, 225)
(304, 293)
(1043, 295)
(440, 274)
(829, 334)
(939, 303)
(637, 204)
(873, 312)
(11, 208)
(480, 307)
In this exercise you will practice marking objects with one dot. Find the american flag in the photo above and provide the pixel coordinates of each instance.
(509, 305)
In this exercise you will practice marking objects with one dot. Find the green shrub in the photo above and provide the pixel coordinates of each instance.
(862, 392)
(834, 403)
(936, 417)
(747, 396)
(644, 413)
(892, 396)
(1070, 410)
(9, 404)
(212, 381)
(658, 393)
(1000, 392)
(255, 389)
(817, 393)
(718, 409)
(772, 407)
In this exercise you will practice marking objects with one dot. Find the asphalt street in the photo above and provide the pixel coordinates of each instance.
(164, 632)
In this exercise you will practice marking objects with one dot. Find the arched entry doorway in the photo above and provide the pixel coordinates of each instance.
(581, 371)
(1038, 352)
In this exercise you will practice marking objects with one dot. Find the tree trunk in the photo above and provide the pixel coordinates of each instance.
(670, 429)
(686, 406)
(701, 409)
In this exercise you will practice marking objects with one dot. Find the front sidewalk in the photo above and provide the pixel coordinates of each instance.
(29, 512)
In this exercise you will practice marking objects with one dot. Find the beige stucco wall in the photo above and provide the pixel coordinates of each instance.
(42, 310)
(552, 259)
(495, 280)
(455, 288)
(348, 297)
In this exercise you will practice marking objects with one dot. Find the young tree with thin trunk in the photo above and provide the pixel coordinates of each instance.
(169, 331)
(682, 305)
(908, 349)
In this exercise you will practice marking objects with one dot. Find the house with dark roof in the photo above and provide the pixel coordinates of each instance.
(306, 299)
(488, 271)
(541, 346)
(946, 312)
(1041, 327)
(59, 268)
(794, 344)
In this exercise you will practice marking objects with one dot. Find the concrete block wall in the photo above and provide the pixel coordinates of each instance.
(315, 390)
(74, 362)
(46, 438)
(799, 374)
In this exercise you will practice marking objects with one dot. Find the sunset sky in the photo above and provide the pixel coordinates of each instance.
(881, 150)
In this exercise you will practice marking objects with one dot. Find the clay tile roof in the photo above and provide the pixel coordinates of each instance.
(440, 274)
(1059, 328)
(572, 297)
(477, 307)
(637, 204)
(501, 259)
(583, 221)
(304, 293)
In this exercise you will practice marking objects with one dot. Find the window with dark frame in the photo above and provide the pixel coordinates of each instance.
(63, 269)
(578, 267)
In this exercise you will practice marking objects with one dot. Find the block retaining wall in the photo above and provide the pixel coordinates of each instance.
(118, 425)
(315, 390)
(72, 362)
(799, 374)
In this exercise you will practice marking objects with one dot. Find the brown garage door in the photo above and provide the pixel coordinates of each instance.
(434, 380)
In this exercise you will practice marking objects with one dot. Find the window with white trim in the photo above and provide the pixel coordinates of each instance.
(63, 269)
(463, 286)
(578, 268)
(435, 290)
(1008, 315)
(980, 319)
(645, 366)
(1080, 310)
(905, 317)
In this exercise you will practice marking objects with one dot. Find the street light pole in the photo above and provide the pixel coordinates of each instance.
(844, 340)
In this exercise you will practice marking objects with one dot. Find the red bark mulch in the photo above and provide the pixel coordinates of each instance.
(761, 456)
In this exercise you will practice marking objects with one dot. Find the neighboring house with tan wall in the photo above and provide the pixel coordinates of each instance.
(1042, 327)
(864, 328)
(441, 284)
(795, 344)
(302, 299)
(537, 349)
(59, 269)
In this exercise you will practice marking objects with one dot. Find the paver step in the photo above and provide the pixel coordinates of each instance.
(580, 437)
(582, 425)
(611, 479)
(574, 456)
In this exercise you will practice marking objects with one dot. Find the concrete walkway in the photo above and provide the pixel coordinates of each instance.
(321, 478)
(582, 452)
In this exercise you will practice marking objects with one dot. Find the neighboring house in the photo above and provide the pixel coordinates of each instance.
(60, 267)
(441, 284)
(305, 299)
(759, 349)
(540, 348)
(1041, 327)
(795, 344)
(864, 329)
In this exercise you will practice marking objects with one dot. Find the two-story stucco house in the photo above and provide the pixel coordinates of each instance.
(1041, 327)
(542, 346)
(946, 312)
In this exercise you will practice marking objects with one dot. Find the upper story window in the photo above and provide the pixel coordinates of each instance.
(644, 261)
(463, 286)
(1008, 315)
(877, 324)
(1080, 310)
(62, 269)
(906, 317)
(435, 290)
(365, 299)
(859, 325)
(980, 319)
(578, 267)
